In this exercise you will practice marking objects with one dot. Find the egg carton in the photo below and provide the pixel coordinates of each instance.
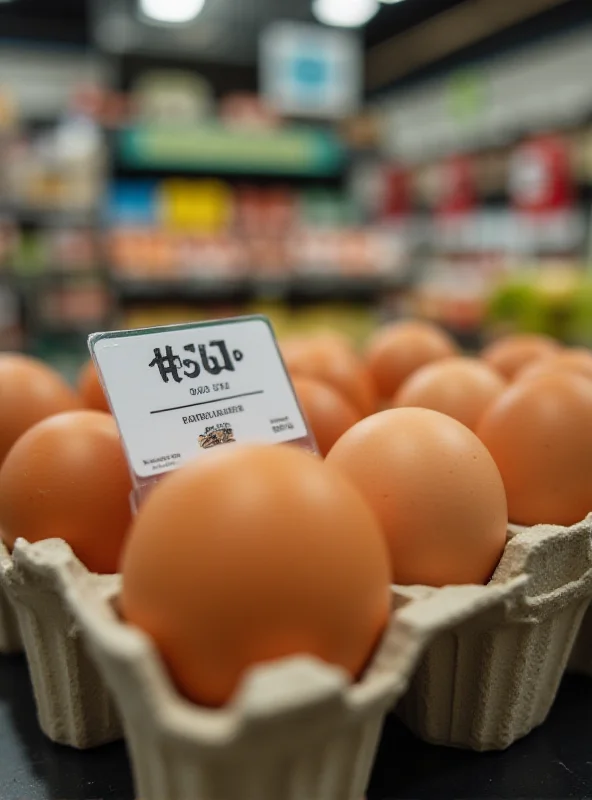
(73, 706)
(297, 729)
(491, 679)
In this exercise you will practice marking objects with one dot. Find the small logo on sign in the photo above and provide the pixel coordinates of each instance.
(219, 434)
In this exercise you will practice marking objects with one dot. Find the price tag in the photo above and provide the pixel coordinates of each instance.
(178, 392)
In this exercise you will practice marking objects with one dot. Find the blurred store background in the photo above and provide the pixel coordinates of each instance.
(326, 162)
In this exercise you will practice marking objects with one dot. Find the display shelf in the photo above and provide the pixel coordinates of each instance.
(51, 277)
(141, 290)
(74, 330)
(214, 149)
(553, 762)
(32, 216)
(305, 288)
(366, 288)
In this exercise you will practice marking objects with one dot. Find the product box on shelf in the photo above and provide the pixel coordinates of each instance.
(492, 679)
(297, 728)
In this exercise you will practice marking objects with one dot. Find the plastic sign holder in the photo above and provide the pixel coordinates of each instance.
(181, 391)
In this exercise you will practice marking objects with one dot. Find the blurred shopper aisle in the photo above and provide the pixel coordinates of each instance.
(244, 160)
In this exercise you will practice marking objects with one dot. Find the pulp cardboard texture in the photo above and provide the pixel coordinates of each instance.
(297, 729)
(73, 705)
(490, 660)
(488, 681)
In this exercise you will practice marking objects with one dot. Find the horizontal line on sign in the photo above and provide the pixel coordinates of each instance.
(207, 402)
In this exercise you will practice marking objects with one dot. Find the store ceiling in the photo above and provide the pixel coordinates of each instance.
(46, 20)
(234, 22)
(405, 38)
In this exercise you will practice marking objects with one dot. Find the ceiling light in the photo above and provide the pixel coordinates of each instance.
(171, 11)
(390, 2)
(345, 13)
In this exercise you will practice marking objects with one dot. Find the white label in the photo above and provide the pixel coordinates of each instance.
(310, 70)
(180, 391)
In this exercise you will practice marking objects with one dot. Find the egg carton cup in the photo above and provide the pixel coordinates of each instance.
(491, 679)
(297, 729)
(73, 705)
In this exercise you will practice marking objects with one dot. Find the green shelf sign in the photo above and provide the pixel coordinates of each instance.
(214, 149)
(467, 95)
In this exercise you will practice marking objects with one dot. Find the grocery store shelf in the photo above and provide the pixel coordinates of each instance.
(305, 288)
(213, 149)
(42, 280)
(174, 291)
(48, 217)
(299, 289)
(552, 762)
(71, 330)
(347, 287)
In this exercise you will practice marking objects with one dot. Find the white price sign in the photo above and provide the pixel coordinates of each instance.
(179, 391)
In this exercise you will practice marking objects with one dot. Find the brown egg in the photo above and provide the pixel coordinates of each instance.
(459, 387)
(436, 490)
(512, 354)
(251, 555)
(328, 360)
(296, 347)
(398, 350)
(67, 478)
(540, 434)
(577, 361)
(291, 344)
(328, 413)
(29, 392)
(90, 389)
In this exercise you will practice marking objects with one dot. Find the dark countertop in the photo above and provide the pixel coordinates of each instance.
(552, 763)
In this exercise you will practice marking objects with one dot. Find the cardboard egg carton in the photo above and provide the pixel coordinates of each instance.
(297, 728)
(482, 664)
(73, 706)
(490, 680)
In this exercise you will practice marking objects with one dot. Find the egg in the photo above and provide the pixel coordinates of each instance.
(29, 392)
(578, 361)
(327, 359)
(462, 388)
(512, 354)
(436, 490)
(67, 478)
(328, 413)
(296, 349)
(90, 389)
(324, 338)
(398, 350)
(251, 555)
(540, 434)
